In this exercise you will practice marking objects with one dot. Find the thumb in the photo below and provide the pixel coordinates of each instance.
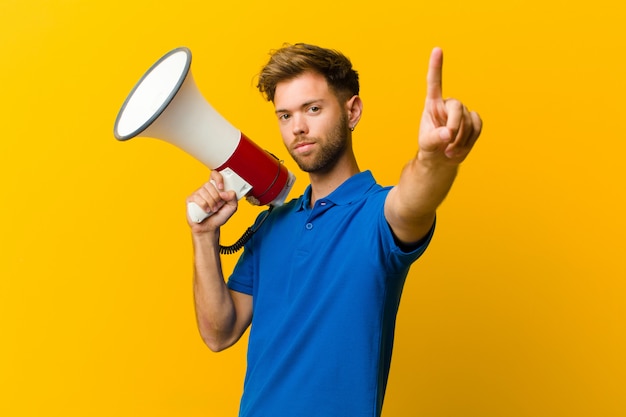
(444, 134)
(435, 140)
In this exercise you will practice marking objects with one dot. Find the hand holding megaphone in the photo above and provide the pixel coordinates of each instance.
(166, 104)
(230, 181)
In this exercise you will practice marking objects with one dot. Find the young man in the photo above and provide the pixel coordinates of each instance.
(320, 282)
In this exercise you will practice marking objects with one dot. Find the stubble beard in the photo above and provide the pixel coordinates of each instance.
(328, 155)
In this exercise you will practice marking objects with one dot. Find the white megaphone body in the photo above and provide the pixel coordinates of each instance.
(166, 104)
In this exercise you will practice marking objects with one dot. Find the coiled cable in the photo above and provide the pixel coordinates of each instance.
(235, 247)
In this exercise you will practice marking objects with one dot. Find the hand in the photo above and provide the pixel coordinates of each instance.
(448, 131)
(212, 198)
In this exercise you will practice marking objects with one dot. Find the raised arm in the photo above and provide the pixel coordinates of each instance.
(448, 131)
(222, 315)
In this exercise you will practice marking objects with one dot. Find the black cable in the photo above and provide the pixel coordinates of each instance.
(235, 247)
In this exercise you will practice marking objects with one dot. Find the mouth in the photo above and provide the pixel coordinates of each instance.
(303, 147)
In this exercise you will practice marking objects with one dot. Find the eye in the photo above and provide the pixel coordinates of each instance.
(314, 109)
(283, 116)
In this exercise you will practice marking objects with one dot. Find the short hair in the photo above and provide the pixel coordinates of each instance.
(290, 61)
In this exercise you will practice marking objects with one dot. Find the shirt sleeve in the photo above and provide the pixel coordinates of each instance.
(400, 255)
(241, 280)
(243, 275)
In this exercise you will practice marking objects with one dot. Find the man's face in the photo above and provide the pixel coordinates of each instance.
(313, 123)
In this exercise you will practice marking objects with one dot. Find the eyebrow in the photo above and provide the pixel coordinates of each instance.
(305, 104)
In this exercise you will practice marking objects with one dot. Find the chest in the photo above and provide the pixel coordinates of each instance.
(320, 255)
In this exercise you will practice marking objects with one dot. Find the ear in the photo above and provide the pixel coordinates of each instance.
(354, 108)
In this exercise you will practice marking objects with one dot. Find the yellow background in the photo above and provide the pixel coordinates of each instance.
(516, 309)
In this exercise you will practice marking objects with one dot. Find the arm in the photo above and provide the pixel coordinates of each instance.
(448, 131)
(222, 315)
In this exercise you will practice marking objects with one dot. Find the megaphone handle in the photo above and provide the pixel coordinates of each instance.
(196, 214)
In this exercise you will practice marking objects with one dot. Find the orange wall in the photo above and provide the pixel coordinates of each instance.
(517, 308)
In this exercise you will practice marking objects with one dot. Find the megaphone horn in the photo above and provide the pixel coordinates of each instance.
(166, 104)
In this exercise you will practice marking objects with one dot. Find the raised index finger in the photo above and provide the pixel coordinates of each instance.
(433, 79)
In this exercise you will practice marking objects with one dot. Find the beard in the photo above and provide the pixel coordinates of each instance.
(329, 152)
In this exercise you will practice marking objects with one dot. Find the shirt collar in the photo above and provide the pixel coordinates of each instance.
(349, 191)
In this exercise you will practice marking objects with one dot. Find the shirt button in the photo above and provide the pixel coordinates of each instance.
(309, 226)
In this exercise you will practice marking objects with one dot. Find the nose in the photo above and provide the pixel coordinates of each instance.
(299, 125)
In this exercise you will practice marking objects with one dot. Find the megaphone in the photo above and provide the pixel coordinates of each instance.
(166, 104)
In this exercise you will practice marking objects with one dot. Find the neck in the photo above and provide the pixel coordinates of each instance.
(324, 183)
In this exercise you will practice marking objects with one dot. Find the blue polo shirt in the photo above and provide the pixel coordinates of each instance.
(326, 284)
